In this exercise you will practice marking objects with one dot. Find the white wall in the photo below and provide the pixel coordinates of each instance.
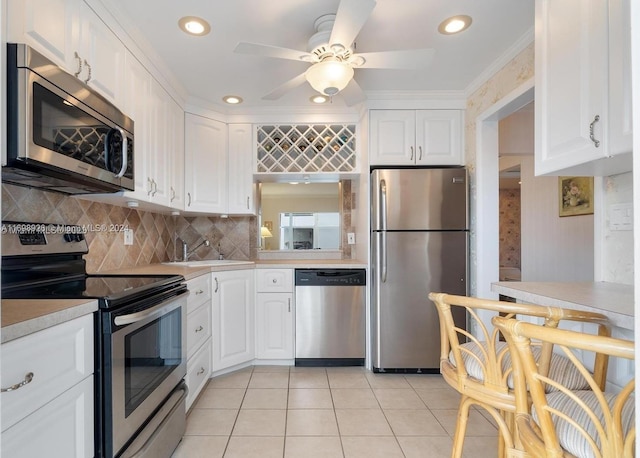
(553, 248)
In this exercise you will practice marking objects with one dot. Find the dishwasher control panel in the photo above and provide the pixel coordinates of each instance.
(330, 277)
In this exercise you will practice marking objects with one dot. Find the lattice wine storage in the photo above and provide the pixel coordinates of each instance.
(306, 148)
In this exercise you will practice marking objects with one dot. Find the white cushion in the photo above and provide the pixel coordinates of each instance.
(561, 370)
(569, 437)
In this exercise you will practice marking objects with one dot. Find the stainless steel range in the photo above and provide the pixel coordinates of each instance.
(140, 335)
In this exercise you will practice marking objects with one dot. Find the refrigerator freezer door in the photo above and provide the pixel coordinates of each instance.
(418, 199)
(406, 332)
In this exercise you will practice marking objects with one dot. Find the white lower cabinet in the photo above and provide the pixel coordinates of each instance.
(275, 315)
(198, 335)
(233, 318)
(51, 414)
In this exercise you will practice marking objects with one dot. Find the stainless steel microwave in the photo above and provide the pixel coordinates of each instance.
(61, 134)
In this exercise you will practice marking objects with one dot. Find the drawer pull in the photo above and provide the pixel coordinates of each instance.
(26, 381)
(199, 328)
(199, 292)
(275, 280)
(201, 371)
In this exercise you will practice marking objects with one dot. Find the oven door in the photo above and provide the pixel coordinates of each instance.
(148, 361)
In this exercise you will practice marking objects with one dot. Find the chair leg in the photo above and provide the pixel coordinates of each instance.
(461, 426)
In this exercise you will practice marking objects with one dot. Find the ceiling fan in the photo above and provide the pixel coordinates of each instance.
(332, 57)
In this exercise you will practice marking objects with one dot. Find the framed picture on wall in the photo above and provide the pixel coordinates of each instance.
(575, 196)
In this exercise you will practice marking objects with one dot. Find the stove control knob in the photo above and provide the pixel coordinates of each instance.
(69, 237)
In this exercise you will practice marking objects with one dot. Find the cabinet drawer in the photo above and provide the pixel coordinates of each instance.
(198, 371)
(198, 328)
(59, 357)
(274, 280)
(200, 291)
(61, 429)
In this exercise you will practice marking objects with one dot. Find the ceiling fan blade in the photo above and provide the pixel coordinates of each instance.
(353, 93)
(407, 59)
(286, 87)
(351, 16)
(272, 51)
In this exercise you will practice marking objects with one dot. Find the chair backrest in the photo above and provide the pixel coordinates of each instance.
(584, 423)
(489, 358)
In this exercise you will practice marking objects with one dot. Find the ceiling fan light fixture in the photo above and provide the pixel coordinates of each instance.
(329, 76)
(232, 99)
(454, 24)
(194, 25)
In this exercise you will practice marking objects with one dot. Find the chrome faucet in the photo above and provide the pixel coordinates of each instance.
(186, 252)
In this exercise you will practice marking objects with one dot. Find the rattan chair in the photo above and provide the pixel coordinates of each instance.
(478, 365)
(585, 423)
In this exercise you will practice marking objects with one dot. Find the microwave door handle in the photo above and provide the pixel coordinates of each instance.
(123, 169)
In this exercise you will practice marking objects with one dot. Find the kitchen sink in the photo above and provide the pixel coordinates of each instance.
(208, 262)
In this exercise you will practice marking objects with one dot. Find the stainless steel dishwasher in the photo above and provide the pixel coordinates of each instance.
(330, 317)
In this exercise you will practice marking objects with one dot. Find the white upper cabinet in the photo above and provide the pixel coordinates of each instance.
(72, 35)
(241, 193)
(205, 164)
(583, 87)
(415, 137)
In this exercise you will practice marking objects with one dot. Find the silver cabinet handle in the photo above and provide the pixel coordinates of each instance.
(76, 56)
(411, 153)
(88, 71)
(289, 304)
(201, 371)
(155, 187)
(173, 194)
(420, 153)
(189, 199)
(199, 328)
(150, 184)
(274, 281)
(199, 292)
(27, 379)
(247, 202)
(217, 285)
(591, 135)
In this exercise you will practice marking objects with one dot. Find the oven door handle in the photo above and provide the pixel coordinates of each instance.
(152, 312)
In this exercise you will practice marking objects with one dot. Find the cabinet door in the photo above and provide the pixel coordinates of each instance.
(49, 26)
(158, 159)
(205, 164)
(392, 137)
(571, 81)
(175, 130)
(274, 326)
(241, 189)
(439, 137)
(137, 107)
(198, 372)
(63, 428)
(233, 318)
(103, 56)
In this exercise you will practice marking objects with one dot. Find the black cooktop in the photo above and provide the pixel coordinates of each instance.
(110, 290)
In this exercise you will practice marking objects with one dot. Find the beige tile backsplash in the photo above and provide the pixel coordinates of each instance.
(155, 234)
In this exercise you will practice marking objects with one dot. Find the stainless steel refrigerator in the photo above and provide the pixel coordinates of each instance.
(419, 244)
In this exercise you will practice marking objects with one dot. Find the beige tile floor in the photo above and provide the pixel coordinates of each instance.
(280, 411)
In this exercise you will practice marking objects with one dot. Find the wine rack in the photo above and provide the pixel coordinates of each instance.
(306, 148)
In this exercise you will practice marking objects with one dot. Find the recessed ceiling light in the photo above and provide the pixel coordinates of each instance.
(232, 99)
(455, 24)
(194, 25)
(319, 98)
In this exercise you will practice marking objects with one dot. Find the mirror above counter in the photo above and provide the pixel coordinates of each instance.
(300, 217)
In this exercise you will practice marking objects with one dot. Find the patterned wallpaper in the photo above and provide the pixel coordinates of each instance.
(509, 228)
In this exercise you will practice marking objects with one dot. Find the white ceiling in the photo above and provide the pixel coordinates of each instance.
(208, 69)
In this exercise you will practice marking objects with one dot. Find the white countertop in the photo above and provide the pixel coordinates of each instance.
(614, 300)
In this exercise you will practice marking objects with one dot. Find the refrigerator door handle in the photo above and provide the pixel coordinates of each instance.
(383, 216)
